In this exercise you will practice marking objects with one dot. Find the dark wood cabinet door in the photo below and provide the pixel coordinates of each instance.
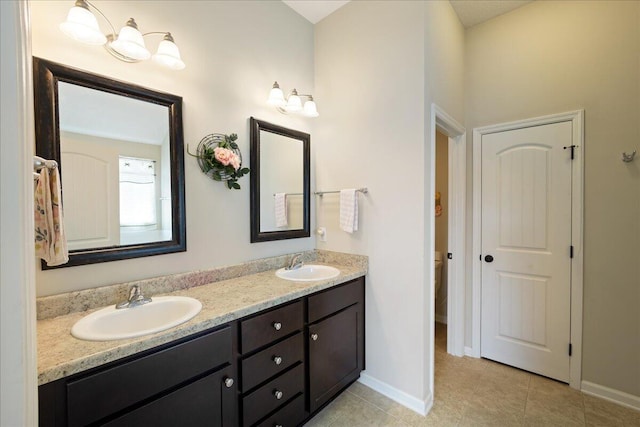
(206, 402)
(94, 397)
(335, 354)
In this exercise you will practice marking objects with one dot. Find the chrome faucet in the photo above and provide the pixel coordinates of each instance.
(295, 263)
(135, 299)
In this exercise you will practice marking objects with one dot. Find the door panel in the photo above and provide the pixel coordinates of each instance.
(526, 228)
(90, 194)
(334, 355)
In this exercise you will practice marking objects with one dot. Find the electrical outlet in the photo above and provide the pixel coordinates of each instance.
(322, 232)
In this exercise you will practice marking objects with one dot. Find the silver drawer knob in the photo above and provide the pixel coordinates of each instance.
(314, 337)
(277, 360)
(228, 382)
(277, 326)
(278, 425)
(278, 394)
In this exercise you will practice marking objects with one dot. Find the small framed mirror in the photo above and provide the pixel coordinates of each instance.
(120, 151)
(280, 182)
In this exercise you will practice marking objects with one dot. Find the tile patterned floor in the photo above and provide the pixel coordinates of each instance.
(478, 392)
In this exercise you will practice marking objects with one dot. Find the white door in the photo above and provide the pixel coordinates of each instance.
(90, 194)
(526, 238)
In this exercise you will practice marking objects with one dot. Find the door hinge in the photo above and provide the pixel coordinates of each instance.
(572, 147)
(570, 349)
(571, 251)
(449, 255)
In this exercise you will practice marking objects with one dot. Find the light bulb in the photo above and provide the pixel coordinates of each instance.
(276, 97)
(130, 42)
(310, 109)
(168, 54)
(294, 104)
(82, 25)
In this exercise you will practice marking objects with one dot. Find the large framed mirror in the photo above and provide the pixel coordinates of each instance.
(120, 151)
(280, 182)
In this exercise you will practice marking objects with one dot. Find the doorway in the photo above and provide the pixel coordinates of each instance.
(455, 137)
(441, 213)
(527, 249)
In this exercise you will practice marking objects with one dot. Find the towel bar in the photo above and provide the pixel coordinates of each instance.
(363, 190)
(291, 194)
(39, 163)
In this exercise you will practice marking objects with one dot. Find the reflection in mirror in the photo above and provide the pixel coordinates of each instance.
(117, 191)
(280, 195)
(285, 179)
(119, 148)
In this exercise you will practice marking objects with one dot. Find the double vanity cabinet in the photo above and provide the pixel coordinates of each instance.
(277, 367)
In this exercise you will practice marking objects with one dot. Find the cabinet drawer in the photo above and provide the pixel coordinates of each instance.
(265, 328)
(289, 416)
(96, 396)
(271, 360)
(206, 402)
(264, 400)
(335, 299)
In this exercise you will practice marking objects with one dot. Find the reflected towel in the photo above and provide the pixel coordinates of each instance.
(280, 203)
(50, 240)
(349, 210)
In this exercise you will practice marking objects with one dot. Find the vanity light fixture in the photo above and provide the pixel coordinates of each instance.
(127, 45)
(293, 103)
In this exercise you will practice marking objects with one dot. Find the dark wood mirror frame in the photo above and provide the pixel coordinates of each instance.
(265, 236)
(46, 75)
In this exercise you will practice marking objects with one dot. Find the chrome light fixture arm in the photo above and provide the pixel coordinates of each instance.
(87, 2)
(127, 45)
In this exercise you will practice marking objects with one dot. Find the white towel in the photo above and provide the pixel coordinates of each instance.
(280, 204)
(349, 210)
(50, 240)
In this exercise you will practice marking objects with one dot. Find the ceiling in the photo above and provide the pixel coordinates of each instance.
(470, 12)
(315, 10)
(108, 115)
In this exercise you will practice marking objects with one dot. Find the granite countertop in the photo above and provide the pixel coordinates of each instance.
(60, 354)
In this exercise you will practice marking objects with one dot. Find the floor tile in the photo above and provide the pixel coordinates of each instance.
(599, 412)
(353, 411)
(376, 399)
(478, 392)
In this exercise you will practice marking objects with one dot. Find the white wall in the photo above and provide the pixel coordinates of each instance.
(18, 385)
(234, 50)
(552, 57)
(379, 66)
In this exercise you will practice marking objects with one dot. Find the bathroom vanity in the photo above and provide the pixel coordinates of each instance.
(276, 366)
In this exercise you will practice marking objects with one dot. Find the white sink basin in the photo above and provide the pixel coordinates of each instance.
(309, 273)
(113, 324)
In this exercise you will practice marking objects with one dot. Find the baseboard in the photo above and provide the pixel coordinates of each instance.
(468, 351)
(612, 395)
(441, 319)
(411, 402)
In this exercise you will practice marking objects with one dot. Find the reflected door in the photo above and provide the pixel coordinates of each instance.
(90, 195)
(526, 236)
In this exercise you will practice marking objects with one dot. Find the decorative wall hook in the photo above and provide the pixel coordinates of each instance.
(627, 158)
